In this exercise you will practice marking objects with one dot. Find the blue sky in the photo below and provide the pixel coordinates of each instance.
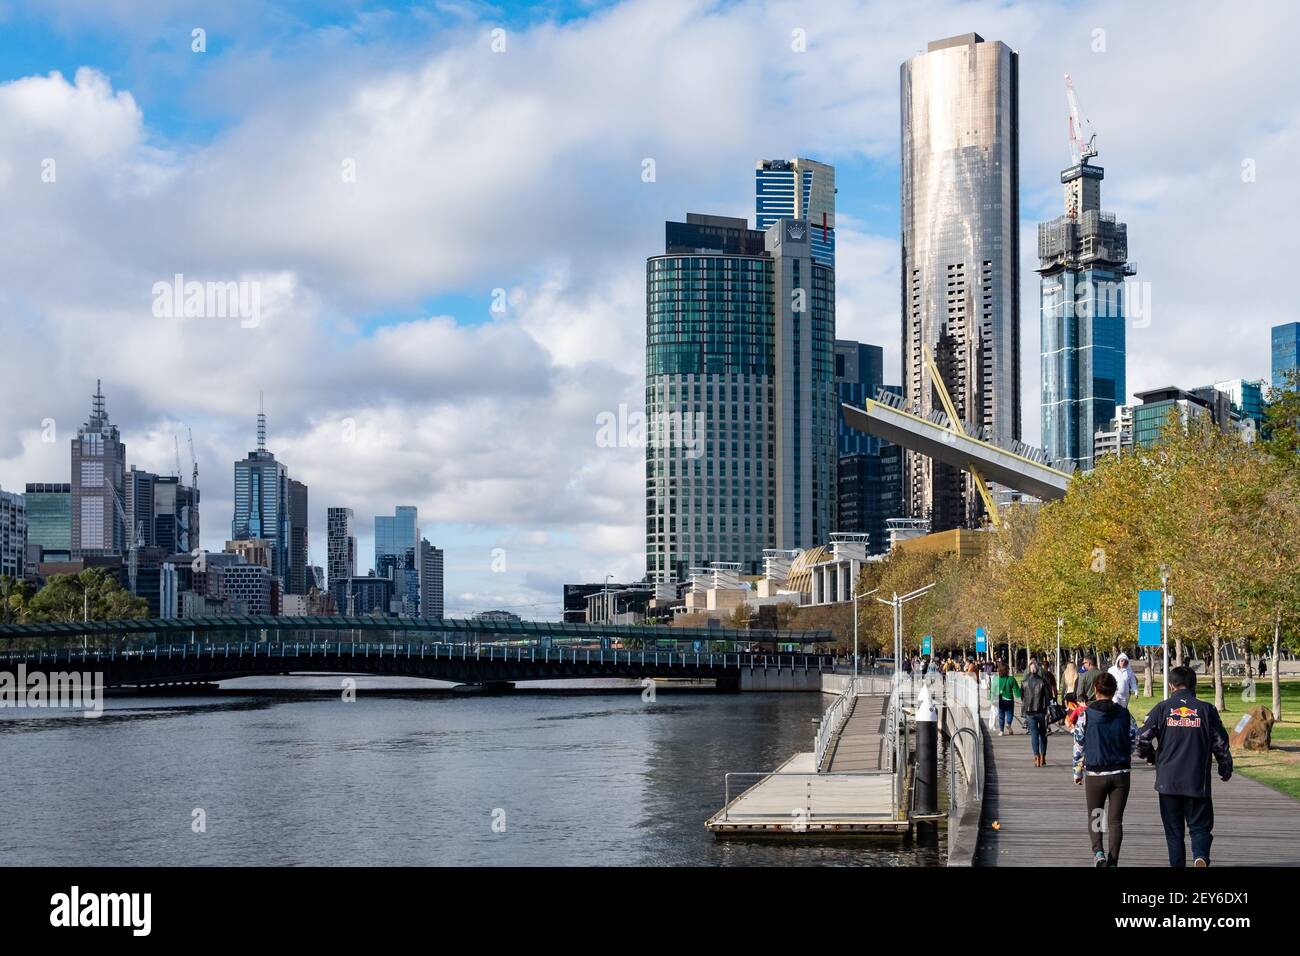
(478, 170)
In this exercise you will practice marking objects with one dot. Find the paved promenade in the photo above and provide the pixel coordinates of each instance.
(1043, 818)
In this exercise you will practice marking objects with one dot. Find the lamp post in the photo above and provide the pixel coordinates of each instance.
(1059, 622)
(1164, 620)
(855, 628)
(897, 603)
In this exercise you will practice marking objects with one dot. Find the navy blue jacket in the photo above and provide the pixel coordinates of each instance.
(1183, 733)
(1107, 737)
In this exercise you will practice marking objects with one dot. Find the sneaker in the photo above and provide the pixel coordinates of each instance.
(1099, 859)
(999, 733)
(1201, 861)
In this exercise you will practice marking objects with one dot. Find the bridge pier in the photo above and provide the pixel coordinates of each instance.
(778, 679)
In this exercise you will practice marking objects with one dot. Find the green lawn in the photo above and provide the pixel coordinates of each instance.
(1280, 767)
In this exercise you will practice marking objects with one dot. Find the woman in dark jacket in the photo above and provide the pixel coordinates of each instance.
(1035, 692)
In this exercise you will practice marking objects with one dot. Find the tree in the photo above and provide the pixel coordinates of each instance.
(14, 597)
(92, 594)
(1281, 431)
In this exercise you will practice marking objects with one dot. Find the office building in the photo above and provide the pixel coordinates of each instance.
(1286, 351)
(13, 535)
(247, 589)
(49, 521)
(397, 543)
(363, 595)
(160, 512)
(1083, 262)
(960, 255)
(431, 567)
(340, 545)
(1117, 437)
(1159, 406)
(98, 478)
(262, 502)
(798, 189)
(740, 395)
(869, 477)
(298, 581)
(1247, 398)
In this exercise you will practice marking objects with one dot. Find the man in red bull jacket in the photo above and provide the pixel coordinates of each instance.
(1180, 736)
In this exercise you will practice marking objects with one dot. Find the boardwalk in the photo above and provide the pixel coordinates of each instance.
(860, 744)
(1043, 820)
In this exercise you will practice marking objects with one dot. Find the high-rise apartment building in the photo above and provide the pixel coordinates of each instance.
(431, 569)
(960, 254)
(1083, 262)
(262, 502)
(397, 544)
(298, 581)
(1286, 351)
(798, 189)
(98, 479)
(1117, 437)
(740, 395)
(49, 520)
(340, 545)
(13, 534)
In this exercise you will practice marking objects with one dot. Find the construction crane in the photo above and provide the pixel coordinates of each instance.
(981, 485)
(176, 441)
(1081, 149)
(194, 474)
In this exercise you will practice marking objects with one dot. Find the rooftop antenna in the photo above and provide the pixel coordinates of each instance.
(98, 407)
(261, 424)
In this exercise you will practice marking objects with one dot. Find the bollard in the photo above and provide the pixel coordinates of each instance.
(926, 777)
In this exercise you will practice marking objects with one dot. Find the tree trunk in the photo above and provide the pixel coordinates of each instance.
(1146, 678)
(1178, 652)
(1277, 659)
(1216, 645)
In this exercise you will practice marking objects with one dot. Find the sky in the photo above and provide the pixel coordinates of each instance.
(442, 210)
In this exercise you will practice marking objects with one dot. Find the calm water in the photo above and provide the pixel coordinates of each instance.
(401, 776)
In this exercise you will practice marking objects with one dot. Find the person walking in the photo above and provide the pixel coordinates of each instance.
(1087, 677)
(1104, 737)
(1125, 680)
(1035, 694)
(1005, 691)
(1181, 736)
(1070, 679)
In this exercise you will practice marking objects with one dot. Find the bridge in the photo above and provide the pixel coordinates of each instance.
(153, 652)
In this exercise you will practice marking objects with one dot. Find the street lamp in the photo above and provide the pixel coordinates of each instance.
(1164, 619)
(1059, 622)
(855, 627)
(897, 603)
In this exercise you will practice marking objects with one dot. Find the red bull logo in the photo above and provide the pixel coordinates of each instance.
(1183, 716)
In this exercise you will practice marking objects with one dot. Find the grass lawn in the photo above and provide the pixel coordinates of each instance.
(1280, 767)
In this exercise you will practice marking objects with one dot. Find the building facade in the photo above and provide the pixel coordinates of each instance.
(49, 520)
(161, 512)
(960, 292)
(98, 480)
(798, 189)
(1286, 351)
(13, 535)
(431, 569)
(1117, 437)
(340, 545)
(262, 502)
(869, 477)
(1083, 262)
(298, 579)
(740, 396)
(397, 546)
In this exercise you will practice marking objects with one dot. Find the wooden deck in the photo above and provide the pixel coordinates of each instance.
(1043, 818)
(861, 741)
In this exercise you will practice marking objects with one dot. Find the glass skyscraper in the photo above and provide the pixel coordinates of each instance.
(397, 544)
(960, 255)
(49, 519)
(740, 395)
(262, 502)
(1083, 259)
(798, 189)
(340, 545)
(1286, 351)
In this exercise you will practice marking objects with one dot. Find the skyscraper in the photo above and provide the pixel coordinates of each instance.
(164, 512)
(1083, 258)
(740, 395)
(1286, 351)
(49, 520)
(13, 534)
(869, 471)
(431, 568)
(298, 581)
(960, 254)
(340, 546)
(98, 478)
(798, 189)
(262, 502)
(397, 542)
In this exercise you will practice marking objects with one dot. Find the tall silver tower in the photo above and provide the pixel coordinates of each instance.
(960, 254)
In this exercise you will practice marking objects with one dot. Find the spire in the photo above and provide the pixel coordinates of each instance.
(97, 412)
(261, 424)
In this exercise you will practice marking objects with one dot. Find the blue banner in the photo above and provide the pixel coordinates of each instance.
(1149, 620)
(981, 641)
(925, 646)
